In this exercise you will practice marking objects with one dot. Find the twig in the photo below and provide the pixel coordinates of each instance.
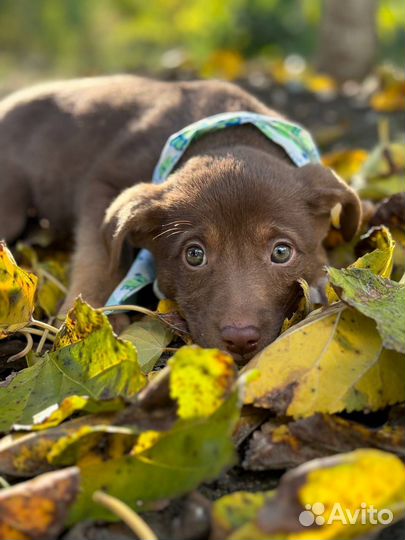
(126, 307)
(45, 326)
(122, 510)
(25, 350)
(53, 279)
(170, 349)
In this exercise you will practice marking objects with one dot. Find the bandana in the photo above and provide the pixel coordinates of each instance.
(295, 140)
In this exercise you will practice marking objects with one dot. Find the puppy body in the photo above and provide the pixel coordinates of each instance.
(80, 152)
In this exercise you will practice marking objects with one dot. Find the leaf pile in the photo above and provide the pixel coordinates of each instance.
(84, 411)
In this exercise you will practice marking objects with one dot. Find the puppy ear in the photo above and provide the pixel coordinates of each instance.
(329, 195)
(137, 212)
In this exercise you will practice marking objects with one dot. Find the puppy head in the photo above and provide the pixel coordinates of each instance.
(231, 236)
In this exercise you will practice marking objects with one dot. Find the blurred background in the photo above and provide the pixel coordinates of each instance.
(331, 64)
(62, 38)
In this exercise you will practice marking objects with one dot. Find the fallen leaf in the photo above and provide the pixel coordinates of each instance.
(225, 64)
(390, 212)
(380, 299)
(250, 419)
(346, 163)
(342, 483)
(17, 291)
(52, 276)
(37, 509)
(168, 313)
(200, 380)
(378, 248)
(231, 512)
(282, 445)
(150, 337)
(81, 321)
(87, 360)
(332, 489)
(382, 174)
(171, 462)
(332, 361)
(27, 454)
(303, 309)
(57, 413)
(390, 99)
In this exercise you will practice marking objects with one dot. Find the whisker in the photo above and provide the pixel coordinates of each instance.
(175, 232)
(167, 232)
(177, 222)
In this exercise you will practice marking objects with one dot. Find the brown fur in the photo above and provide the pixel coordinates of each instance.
(81, 151)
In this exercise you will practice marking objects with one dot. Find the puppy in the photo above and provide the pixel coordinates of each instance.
(231, 230)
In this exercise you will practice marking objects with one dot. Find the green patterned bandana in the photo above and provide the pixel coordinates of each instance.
(295, 140)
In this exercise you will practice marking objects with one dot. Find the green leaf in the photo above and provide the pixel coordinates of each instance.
(379, 260)
(167, 463)
(381, 299)
(97, 364)
(150, 337)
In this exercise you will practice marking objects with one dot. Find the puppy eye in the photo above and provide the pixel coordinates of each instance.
(281, 253)
(195, 255)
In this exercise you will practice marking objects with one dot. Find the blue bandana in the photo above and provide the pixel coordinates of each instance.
(295, 140)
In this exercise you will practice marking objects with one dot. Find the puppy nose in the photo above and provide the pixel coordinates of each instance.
(240, 340)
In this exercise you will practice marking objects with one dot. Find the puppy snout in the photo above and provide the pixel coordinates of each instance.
(240, 340)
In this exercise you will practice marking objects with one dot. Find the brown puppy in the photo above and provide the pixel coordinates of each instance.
(249, 222)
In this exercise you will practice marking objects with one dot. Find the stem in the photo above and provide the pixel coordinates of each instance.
(45, 326)
(125, 307)
(122, 510)
(53, 279)
(3, 483)
(37, 332)
(42, 341)
(25, 350)
(170, 349)
(384, 131)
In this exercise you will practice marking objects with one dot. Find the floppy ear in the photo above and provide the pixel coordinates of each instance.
(137, 212)
(327, 193)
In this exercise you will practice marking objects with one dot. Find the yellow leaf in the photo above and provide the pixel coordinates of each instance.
(319, 83)
(225, 64)
(17, 291)
(166, 306)
(200, 380)
(390, 99)
(303, 309)
(346, 163)
(332, 361)
(358, 480)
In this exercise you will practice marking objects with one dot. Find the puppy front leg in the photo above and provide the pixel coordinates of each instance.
(90, 274)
